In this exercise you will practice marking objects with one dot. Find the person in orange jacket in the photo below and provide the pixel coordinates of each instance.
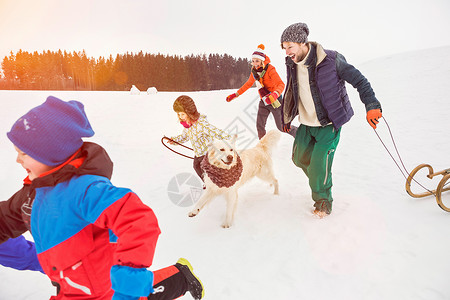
(270, 87)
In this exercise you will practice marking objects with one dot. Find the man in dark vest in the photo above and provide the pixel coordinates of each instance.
(316, 93)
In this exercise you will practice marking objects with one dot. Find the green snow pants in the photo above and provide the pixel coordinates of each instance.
(313, 151)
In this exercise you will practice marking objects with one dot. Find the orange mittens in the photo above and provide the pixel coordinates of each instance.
(372, 117)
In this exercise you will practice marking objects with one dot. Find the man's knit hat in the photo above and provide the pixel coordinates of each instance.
(296, 33)
(187, 105)
(259, 53)
(51, 132)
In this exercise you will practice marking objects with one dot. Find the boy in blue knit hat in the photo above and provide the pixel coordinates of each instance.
(93, 239)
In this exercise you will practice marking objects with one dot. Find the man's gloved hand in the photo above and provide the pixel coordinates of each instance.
(287, 127)
(372, 117)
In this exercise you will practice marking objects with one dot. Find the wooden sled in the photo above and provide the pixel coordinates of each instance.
(437, 192)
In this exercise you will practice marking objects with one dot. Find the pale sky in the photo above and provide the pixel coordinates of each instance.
(361, 30)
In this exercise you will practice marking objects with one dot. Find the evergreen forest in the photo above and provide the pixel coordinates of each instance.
(59, 70)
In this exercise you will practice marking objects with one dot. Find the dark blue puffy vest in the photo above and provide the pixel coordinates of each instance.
(332, 92)
(328, 90)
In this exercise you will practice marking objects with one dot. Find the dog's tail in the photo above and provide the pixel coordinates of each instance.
(269, 140)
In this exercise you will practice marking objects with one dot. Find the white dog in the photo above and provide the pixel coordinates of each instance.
(226, 171)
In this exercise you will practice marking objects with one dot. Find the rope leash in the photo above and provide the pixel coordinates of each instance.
(400, 158)
(166, 138)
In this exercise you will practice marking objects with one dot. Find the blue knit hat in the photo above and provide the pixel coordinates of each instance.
(51, 132)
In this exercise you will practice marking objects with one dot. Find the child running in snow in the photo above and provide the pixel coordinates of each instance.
(270, 86)
(197, 129)
(93, 240)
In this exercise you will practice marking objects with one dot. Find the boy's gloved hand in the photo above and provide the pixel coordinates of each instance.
(232, 96)
(119, 296)
(372, 117)
(287, 127)
(130, 283)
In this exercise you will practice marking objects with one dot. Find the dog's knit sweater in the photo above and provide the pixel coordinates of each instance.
(222, 177)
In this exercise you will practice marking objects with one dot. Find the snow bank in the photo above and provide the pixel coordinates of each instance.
(134, 90)
(152, 91)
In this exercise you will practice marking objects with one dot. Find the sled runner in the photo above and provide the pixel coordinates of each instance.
(165, 145)
(440, 188)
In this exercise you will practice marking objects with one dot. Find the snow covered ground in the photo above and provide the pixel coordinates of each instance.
(379, 243)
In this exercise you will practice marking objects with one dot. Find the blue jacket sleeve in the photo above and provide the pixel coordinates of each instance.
(131, 283)
(19, 254)
(353, 76)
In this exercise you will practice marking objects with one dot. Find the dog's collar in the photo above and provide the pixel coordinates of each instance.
(222, 177)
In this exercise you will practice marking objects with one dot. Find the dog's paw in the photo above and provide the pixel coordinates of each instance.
(276, 190)
(193, 213)
(226, 225)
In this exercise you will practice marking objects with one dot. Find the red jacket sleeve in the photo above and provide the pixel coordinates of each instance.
(272, 81)
(136, 227)
(247, 85)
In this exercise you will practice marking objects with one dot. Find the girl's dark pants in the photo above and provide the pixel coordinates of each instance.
(197, 167)
(263, 114)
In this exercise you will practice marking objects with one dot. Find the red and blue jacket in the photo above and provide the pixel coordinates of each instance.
(72, 213)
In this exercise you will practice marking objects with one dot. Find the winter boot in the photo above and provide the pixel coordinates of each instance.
(322, 208)
(195, 286)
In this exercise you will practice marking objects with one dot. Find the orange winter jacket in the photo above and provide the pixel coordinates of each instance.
(271, 80)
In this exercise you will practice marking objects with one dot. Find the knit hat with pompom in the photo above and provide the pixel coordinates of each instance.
(259, 53)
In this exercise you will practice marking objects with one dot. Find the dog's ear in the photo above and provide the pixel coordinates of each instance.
(211, 148)
(233, 139)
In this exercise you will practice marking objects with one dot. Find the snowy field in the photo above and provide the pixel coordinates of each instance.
(379, 243)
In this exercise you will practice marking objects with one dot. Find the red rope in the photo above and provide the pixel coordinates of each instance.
(166, 138)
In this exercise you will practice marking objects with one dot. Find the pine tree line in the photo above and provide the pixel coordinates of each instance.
(75, 71)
